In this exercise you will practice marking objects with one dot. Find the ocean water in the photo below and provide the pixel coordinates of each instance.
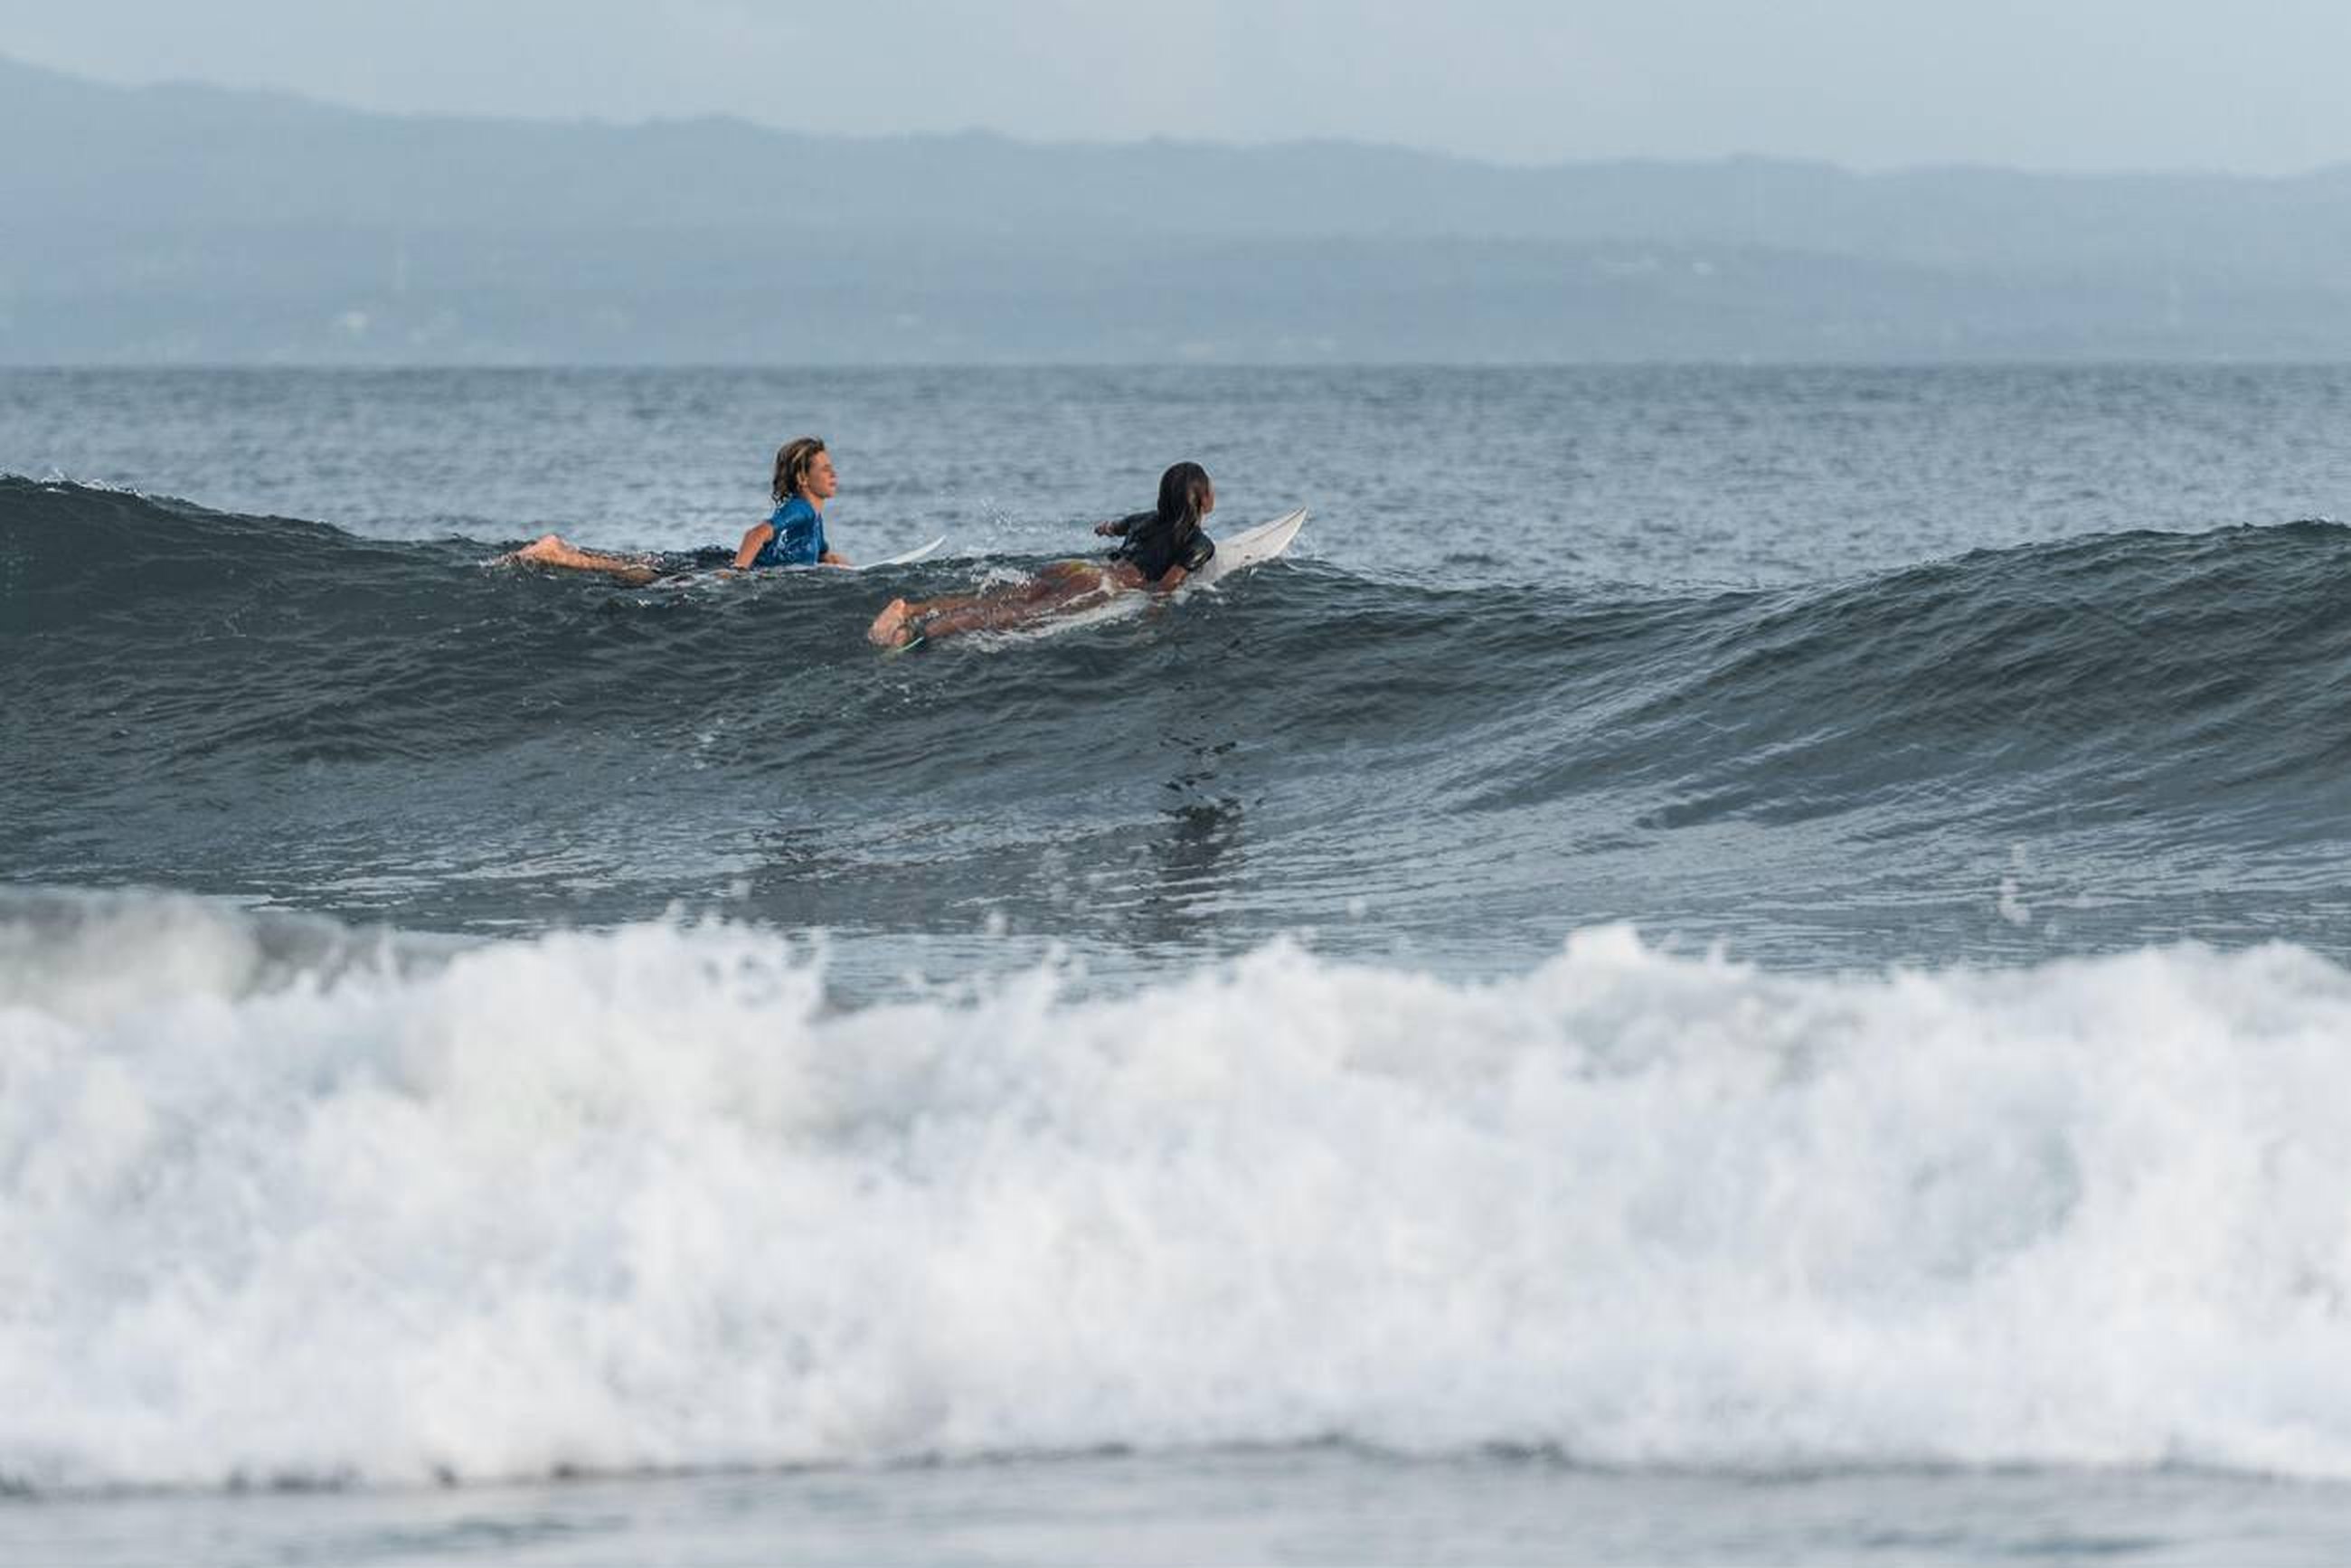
(1721, 964)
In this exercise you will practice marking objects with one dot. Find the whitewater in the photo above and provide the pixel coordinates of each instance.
(637, 1199)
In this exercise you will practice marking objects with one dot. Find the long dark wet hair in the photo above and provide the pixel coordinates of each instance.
(1184, 490)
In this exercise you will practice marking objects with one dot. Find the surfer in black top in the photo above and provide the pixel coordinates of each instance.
(1168, 537)
(1157, 548)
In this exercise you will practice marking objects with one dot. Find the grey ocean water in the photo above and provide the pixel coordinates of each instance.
(1732, 964)
(1662, 476)
(1836, 667)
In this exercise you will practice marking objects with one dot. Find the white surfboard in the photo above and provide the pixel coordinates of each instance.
(1250, 546)
(906, 556)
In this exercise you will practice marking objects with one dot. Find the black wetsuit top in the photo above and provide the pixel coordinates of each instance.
(1154, 548)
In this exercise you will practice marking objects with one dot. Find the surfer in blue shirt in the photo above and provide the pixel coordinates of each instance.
(1157, 548)
(793, 534)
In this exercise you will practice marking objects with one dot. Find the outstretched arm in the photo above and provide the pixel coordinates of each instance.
(753, 543)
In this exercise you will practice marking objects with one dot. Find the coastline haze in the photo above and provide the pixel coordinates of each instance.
(202, 225)
(2105, 86)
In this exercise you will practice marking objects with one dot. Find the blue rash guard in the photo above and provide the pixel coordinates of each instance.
(799, 539)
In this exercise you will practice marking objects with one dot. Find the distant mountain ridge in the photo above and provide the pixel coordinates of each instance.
(186, 222)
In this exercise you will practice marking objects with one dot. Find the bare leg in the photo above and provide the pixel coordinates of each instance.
(1033, 602)
(1057, 587)
(553, 549)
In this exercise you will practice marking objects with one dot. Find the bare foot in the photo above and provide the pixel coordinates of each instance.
(890, 628)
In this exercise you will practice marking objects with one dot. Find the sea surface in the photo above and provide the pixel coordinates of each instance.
(1720, 965)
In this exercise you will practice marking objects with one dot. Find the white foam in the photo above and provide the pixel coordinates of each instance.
(639, 1198)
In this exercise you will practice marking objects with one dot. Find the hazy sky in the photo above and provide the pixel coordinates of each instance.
(2048, 84)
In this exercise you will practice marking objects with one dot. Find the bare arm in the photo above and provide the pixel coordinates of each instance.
(753, 543)
(1203, 549)
(833, 558)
